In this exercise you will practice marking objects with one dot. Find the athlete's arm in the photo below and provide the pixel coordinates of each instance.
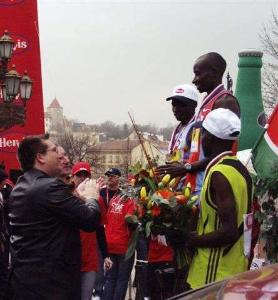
(200, 165)
(224, 202)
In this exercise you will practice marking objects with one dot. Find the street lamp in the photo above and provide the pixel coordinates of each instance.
(13, 85)
(229, 83)
(15, 90)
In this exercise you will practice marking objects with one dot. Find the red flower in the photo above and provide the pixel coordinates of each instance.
(141, 211)
(166, 194)
(156, 210)
(181, 199)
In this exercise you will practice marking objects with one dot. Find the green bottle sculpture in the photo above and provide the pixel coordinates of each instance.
(249, 94)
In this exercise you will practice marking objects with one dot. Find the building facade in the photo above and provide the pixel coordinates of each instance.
(124, 153)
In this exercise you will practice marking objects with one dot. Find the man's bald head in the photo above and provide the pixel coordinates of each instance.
(214, 61)
(209, 69)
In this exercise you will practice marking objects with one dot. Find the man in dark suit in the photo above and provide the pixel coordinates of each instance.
(45, 219)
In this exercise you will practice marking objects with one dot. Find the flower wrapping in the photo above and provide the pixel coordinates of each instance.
(162, 210)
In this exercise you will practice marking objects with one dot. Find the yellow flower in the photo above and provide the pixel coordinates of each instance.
(143, 193)
(176, 156)
(187, 192)
(151, 173)
(172, 182)
(150, 204)
(166, 178)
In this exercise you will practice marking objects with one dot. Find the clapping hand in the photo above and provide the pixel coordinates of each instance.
(100, 182)
(88, 189)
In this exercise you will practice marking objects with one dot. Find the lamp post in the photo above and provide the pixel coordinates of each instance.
(12, 86)
(229, 83)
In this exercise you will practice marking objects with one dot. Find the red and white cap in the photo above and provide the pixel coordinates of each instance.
(184, 92)
(81, 166)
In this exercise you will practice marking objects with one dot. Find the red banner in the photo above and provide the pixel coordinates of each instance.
(20, 19)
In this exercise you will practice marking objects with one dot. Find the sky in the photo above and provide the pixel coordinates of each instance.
(101, 59)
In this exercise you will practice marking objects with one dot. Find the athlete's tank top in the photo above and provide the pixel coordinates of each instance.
(196, 151)
(213, 264)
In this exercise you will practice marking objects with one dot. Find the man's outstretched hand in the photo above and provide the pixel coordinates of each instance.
(175, 169)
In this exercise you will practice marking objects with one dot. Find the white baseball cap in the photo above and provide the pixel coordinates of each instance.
(184, 92)
(223, 123)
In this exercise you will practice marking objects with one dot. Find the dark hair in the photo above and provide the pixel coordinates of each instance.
(28, 149)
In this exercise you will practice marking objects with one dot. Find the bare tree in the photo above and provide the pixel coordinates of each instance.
(269, 39)
(167, 132)
(78, 148)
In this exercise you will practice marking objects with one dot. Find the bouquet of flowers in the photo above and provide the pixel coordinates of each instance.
(162, 210)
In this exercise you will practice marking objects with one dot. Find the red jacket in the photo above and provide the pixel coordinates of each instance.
(116, 230)
(89, 260)
(105, 196)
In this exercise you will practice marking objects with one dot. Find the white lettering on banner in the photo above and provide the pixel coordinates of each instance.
(4, 143)
(20, 44)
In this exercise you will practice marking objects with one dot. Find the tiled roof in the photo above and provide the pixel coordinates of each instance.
(159, 145)
(115, 145)
(55, 104)
(163, 145)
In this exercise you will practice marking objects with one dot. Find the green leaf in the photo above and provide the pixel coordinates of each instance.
(148, 228)
(133, 219)
(173, 202)
(132, 244)
(150, 183)
(192, 201)
(135, 169)
(156, 198)
(163, 201)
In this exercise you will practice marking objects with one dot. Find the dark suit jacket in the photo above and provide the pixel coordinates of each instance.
(45, 219)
